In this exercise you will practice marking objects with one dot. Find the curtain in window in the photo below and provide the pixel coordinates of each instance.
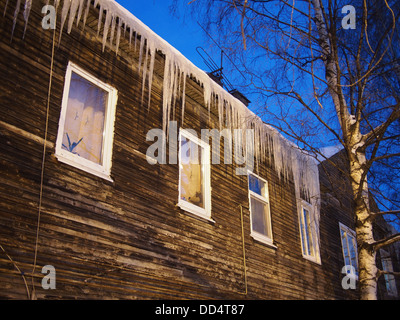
(259, 211)
(85, 118)
(191, 173)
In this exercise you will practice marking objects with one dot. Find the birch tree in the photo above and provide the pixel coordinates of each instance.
(324, 68)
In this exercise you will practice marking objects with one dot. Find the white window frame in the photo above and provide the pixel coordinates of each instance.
(350, 271)
(265, 200)
(312, 236)
(101, 170)
(205, 212)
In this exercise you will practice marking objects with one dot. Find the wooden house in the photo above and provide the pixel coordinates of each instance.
(338, 225)
(100, 121)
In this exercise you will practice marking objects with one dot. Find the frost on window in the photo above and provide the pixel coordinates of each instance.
(84, 121)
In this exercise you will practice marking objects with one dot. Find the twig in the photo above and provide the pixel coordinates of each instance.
(19, 270)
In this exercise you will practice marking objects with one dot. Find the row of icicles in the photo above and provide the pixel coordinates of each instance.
(117, 22)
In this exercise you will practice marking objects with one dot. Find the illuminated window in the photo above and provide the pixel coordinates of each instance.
(86, 124)
(194, 175)
(259, 209)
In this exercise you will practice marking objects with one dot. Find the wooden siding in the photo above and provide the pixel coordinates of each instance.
(127, 239)
(336, 207)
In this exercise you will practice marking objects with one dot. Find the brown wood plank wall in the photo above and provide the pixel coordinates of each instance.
(127, 239)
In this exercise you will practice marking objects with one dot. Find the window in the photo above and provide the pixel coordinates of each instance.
(86, 126)
(308, 232)
(387, 266)
(349, 247)
(194, 175)
(259, 209)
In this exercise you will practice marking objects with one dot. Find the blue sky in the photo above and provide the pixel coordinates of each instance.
(182, 33)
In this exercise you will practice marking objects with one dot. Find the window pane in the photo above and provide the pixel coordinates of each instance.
(259, 215)
(345, 247)
(389, 278)
(302, 232)
(84, 122)
(308, 231)
(353, 251)
(257, 186)
(192, 175)
(387, 265)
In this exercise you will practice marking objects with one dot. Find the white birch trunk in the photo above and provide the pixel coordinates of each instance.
(353, 141)
(364, 229)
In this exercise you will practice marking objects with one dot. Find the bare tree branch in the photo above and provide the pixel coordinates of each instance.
(383, 272)
(385, 242)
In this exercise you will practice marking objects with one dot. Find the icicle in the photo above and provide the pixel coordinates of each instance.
(113, 23)
(130, 37)
(106, 28)
(220, 112)
(167, 92)
(86, 13)
(27, 11)
(144, 74)
(135, 45)
(118, 39)
(15, 17)
(72, 14)
(100, 20)
(175, 92)
(175, 87)
(183, 98)
(5, 9)
(151, 71)
(142, 40)
(78, 19)
(64, 14)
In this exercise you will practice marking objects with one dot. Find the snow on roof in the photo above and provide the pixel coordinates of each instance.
(232, 112)
(327, 152)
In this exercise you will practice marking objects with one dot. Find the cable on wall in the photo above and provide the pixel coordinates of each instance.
(33, 295)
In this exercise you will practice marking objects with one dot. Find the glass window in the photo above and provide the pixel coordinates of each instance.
(192, 177)
(194, 171)
(260, 217)
(308, 233)
(387, 266)
(261, 228)
(349, 247)
(257, 186)
(86, 122)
